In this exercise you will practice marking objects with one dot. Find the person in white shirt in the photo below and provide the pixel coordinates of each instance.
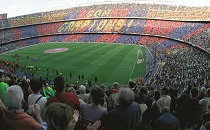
(165, 100)
(36, 97)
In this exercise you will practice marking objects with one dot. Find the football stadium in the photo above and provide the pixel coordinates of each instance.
(123, 65)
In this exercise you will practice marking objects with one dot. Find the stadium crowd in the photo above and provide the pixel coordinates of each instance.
(62, 14)
(153, 27)
(179, 98)
(201, 40)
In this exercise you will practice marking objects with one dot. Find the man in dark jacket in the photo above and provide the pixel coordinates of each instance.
(166, 121)
(127, 115)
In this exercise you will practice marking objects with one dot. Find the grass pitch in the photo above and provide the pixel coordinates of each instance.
(108, 62)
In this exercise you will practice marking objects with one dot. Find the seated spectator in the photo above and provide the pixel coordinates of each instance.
(14, 117)
(166, 121)
(83, 95)
(61, 96)
(92, 112)
(36, 97)
(127, 115)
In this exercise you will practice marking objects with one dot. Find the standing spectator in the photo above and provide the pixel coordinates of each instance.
(205, 102)
(61, 96)
(173, 95)
(143, 96)
(103, 87)
(189, 110)
(26, 89)
(206, 118)
(36, 97)
(113, 97)
(165, 99)
(166, 121)
(60, 116)
(202, 93)
(3, 88)
(92, 112)
(83, 95)
(127, 115)
(15, 117)
(46, 90)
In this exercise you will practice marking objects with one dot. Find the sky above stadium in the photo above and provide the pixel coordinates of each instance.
(22, 7)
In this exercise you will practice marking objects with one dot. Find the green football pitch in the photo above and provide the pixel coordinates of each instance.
(107, 62)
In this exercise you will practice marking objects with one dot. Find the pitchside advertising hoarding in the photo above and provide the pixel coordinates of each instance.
(3, 16)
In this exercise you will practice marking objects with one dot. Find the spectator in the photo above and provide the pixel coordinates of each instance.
(205, 102)
(113, 97)
(166, 121)
(92, 112)
(173, 95)
(15, 118)
(202, 93)
(26, 89)
(156, 96)
(103, 87)
(71, 89)
(127, 115)
(36, 97)
(189, 110)
(206, 118)
(165, 100)
(83, 95)
(3, 88)
(60, 116)
(46, 90)
(143, 96)
(68, 98)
